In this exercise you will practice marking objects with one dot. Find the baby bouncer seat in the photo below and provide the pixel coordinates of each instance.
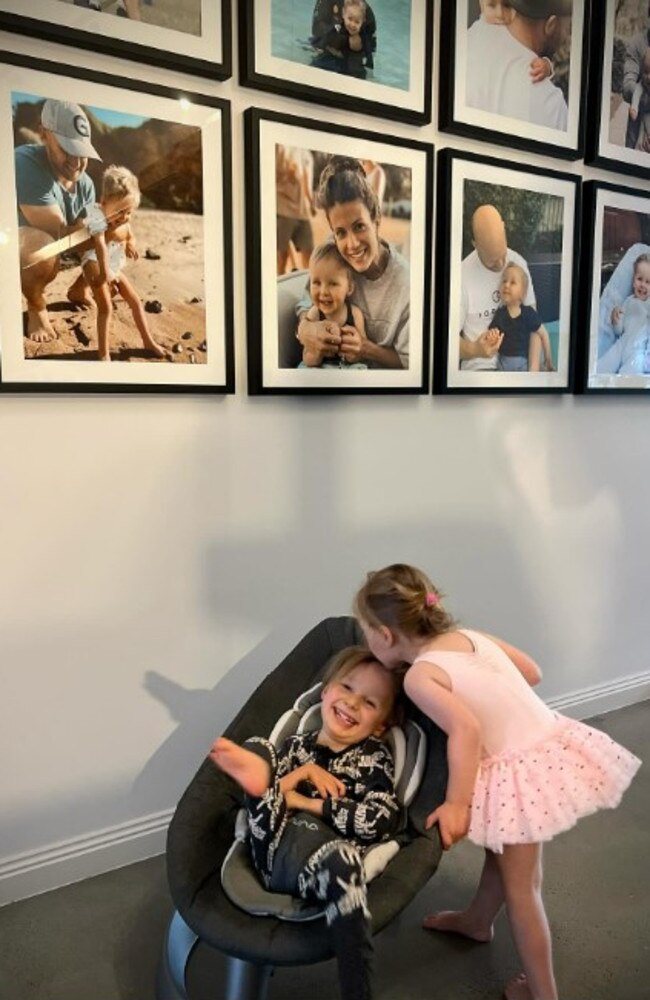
(219, 901)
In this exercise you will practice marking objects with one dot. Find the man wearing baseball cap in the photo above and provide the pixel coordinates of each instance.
(499, 57)
(52, 192)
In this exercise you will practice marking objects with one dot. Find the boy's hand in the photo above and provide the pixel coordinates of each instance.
(131, 250)
(453, 822)
(294, 801)
(324, 782)
(540, 69)
(634, 114)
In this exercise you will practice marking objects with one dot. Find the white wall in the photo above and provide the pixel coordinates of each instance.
(161, 553)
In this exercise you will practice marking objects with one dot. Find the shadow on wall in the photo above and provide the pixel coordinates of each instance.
(526, 526)
(533, 495)
(200, 718)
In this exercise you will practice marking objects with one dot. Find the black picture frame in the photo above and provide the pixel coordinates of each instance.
(612, 135)
(559, 130)
(544, 240)
(274, 353)
(206, 54)
(616, 233)
(178, 145)
(394, 88)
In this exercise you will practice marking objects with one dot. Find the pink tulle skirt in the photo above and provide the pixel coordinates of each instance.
(526, 796)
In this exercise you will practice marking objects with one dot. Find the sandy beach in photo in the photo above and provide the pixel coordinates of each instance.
(169, 271)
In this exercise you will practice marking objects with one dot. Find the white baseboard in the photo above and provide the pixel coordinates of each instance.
(51, 867)
(602, 698)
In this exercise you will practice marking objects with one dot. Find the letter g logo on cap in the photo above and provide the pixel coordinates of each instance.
(81, 126)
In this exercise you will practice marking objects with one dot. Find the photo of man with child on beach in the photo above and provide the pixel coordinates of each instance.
(342, 224)
(190, 35)
(181, 15)
(111, 211)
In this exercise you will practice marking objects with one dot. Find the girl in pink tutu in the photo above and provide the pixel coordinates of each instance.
(518, 772)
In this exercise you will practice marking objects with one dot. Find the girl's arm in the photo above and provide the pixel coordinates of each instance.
(319, 337)
(97, 226)
(130, 246)
(99, 246)
(524, 663)
(312, 355)
(463, 748)
(636, 101)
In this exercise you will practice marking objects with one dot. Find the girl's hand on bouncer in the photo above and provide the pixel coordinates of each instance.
(453, 822)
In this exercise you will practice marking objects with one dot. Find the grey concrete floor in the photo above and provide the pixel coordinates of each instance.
(100, 939)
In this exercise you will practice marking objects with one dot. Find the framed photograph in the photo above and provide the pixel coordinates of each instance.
(191, 36)
(515, 73)
(338, 263)
(115, 236)
(507, 257)
(620, 87)
(616, 293)
(374, 58)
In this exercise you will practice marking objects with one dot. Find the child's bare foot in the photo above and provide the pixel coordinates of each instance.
(104, 357)
(248, 770)
(79, 293)
(457, 922)
(156, 350)
(517, 988)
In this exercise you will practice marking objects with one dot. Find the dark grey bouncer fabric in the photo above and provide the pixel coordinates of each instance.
(202, 831)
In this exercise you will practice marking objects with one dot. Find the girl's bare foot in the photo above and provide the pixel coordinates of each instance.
(248, 770)
(157, 350)
(517, 988)
(457, 922)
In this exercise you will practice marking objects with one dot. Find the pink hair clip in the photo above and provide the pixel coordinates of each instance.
(431, 599)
